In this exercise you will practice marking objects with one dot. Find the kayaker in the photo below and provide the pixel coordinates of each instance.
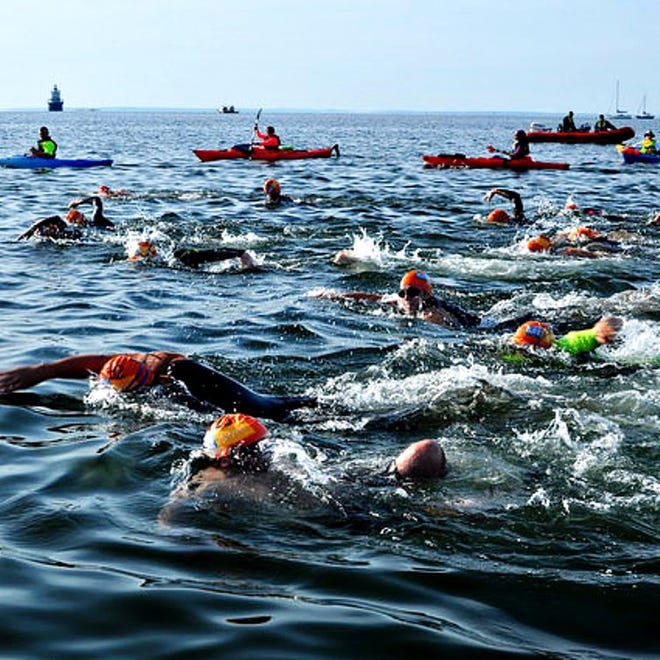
(519, 148)
(414, 298)
(127, 372)
(269, 139)
(648, 143)
(568, 123)
(500, 215)
(575, 342)
(46, 146)
(603, 124)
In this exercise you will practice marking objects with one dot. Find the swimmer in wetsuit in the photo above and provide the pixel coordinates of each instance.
(127, 372)
(414, 298)
(55, 228)
(500, 215)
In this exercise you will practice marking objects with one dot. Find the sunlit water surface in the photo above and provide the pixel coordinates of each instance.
(541, 541)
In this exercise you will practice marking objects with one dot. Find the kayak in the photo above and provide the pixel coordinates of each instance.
(493, 163)
(259, 153)
(614, 136)
(34, 163)
(633, 155)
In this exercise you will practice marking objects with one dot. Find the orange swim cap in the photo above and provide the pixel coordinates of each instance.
(272, 187)
(75, 217)
(142, 250)
(229, 431)
(583, 232)
(534, 333)
(125, 373)
(498, 215)
(539, 244)
(418, 279)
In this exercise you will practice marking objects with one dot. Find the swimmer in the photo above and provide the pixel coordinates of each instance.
(55, 228)
(415, 298)
(191, 257)
(500, 216)
(273, 193)
(98, 219)
(232, 463)
(105, 191)
(577, 242)
(128, 372)
(576, 342)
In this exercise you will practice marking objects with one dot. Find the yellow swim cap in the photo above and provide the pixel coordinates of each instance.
(229, 431)
(125, 373)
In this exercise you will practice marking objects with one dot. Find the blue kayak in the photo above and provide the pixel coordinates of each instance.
(33, 163)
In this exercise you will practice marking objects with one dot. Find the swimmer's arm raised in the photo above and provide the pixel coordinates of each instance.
(76, 367)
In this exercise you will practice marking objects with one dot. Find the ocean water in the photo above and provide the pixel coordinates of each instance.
(542, 540)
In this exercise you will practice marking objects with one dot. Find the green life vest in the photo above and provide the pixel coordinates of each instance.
(578, 341)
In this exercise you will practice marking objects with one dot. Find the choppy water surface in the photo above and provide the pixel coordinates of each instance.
(542, 539)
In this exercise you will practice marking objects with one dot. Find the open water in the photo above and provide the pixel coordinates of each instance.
(542, 541)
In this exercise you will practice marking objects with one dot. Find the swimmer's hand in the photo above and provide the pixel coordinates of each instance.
(20, 378)
(607, 329)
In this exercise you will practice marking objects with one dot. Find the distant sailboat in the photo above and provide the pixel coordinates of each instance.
(641, 113)
(620, 114)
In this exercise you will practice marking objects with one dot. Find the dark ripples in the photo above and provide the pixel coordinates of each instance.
(541, 541)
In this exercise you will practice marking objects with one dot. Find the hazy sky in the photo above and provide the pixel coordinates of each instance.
(364, 55)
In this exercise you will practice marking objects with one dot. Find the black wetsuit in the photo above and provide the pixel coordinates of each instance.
(211, 386)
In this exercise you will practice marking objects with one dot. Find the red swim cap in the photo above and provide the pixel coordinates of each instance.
(583, 232)
(539, 244)
(125, 373)
(75, 217)
(418, 279)
(534, 333)
(272, 187)
(498, 215)
(229, 431)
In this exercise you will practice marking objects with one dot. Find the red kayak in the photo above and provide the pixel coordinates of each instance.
(615, 136)
(259, 153)
(493, 163)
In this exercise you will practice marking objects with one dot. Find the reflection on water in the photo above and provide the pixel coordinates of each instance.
(542, 539)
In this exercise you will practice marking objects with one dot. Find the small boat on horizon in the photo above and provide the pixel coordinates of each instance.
(228, 110)
(642, 113)
(55, 102)
(620, 114)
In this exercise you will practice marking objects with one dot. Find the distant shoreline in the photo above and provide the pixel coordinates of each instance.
(248, 111)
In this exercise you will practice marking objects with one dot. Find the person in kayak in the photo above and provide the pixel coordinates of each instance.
(46, 146)
(54, 228)
(414, 298)
(648, 145)
(500, 215)
(269, 139)
(519, 148)
(568, 123)
(603, 124)
(575, 342)
(128, 372)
